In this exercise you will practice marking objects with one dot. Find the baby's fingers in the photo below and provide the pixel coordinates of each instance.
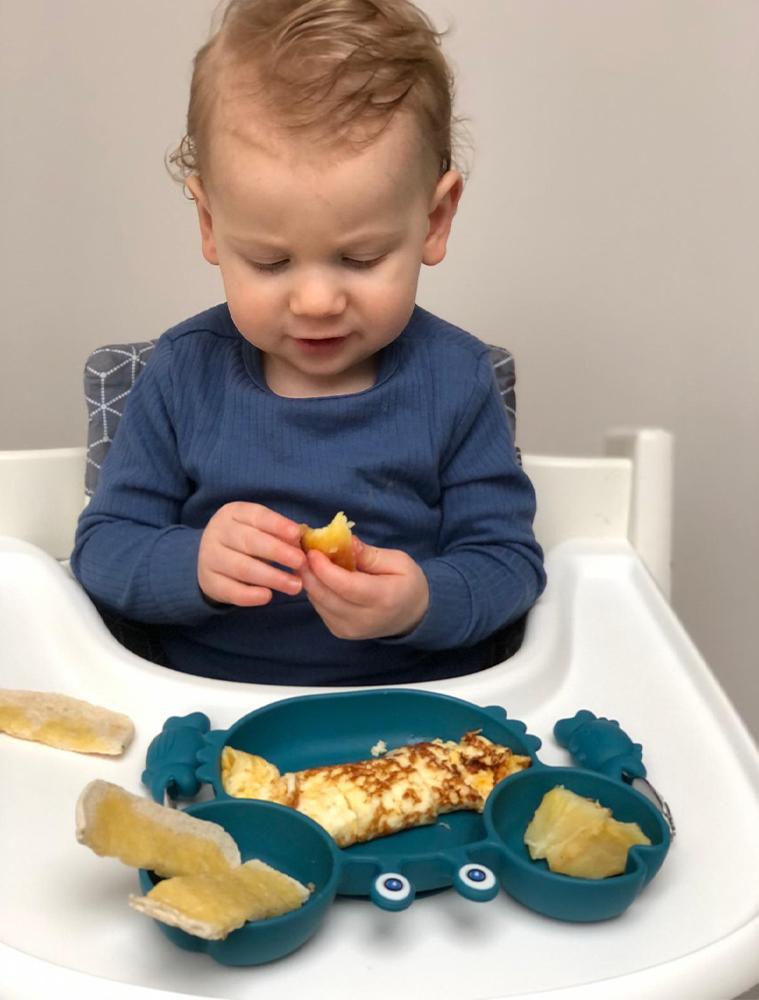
(322, 596)
(228, 591)
(255, 572)
(323, 578)
(250, 541)
(266, 520)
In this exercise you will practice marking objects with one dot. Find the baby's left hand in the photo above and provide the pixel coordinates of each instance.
(386, 595)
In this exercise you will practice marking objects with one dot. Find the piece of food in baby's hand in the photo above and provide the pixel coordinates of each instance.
(64, 723)
(580, 837)
(115, 823)
(212, 906)
(334, 540)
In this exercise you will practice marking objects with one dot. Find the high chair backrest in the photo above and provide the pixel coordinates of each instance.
(109, 374)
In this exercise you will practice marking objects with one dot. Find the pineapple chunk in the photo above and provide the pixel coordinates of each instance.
(334, 540)
(580, 837)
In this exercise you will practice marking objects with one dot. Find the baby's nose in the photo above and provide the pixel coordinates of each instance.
(317, 296)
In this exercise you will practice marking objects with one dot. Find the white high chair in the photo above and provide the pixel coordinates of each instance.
(603, 636)
(625, 495)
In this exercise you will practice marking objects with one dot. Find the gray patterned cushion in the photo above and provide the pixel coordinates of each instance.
(111, 371)
(506, 380)
(109, 375)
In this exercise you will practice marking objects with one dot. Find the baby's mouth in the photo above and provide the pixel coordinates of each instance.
(319, 345)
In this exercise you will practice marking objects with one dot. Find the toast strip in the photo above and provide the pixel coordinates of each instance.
(409, 786)
(115, 823)
(63, 722)
(212, 906)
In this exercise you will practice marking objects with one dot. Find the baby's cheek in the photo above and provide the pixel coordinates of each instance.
(391, 309)
(256, 311)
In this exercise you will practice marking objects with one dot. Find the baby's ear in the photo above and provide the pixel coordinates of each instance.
(205, 218)
(445, 201)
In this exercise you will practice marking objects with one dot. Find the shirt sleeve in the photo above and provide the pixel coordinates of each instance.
(489, 570)
(131, 553)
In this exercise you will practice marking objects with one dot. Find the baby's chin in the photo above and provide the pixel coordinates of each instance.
(327, 369)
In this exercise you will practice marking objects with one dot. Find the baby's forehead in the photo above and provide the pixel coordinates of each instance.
(245, 136)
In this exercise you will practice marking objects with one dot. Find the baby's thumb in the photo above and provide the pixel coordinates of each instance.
(370, 559)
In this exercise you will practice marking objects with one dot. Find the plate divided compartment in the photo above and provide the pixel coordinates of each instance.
(476, 854)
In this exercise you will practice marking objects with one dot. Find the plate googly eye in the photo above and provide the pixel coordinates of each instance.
(478, 876)
(476, 882)
(392, 891)
(393, 886)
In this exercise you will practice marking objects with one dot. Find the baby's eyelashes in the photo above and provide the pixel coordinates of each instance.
(356, 263)
(359, 264)
(277, 265)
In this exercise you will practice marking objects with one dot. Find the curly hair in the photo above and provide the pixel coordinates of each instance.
(336, 69)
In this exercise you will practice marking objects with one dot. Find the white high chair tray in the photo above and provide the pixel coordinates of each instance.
(602, 638)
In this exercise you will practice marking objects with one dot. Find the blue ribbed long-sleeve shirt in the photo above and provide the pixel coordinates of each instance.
(422, 461)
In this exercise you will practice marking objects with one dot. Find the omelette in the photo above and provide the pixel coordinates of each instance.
(360, 801)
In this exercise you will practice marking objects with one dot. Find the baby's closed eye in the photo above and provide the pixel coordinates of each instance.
(274, 267)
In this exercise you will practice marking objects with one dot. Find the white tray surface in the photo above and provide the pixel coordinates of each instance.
(601, 638)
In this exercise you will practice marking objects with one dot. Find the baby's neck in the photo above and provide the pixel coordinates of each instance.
(294, 384)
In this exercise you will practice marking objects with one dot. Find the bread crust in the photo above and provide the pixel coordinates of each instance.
(65, 723)
(147, 835)
(242, 901)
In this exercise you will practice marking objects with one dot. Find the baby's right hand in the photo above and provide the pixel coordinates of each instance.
(236, 551)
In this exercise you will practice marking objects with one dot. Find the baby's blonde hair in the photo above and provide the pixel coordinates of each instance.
(337, 69)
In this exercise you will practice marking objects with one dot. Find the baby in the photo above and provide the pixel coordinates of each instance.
(318, 154)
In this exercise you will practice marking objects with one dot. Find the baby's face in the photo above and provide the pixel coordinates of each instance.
(320, 254)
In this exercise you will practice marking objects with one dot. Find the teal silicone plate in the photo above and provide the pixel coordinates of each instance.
(286, 840)
(475, 854)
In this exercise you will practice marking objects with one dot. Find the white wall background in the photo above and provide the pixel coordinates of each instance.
(609, 236)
